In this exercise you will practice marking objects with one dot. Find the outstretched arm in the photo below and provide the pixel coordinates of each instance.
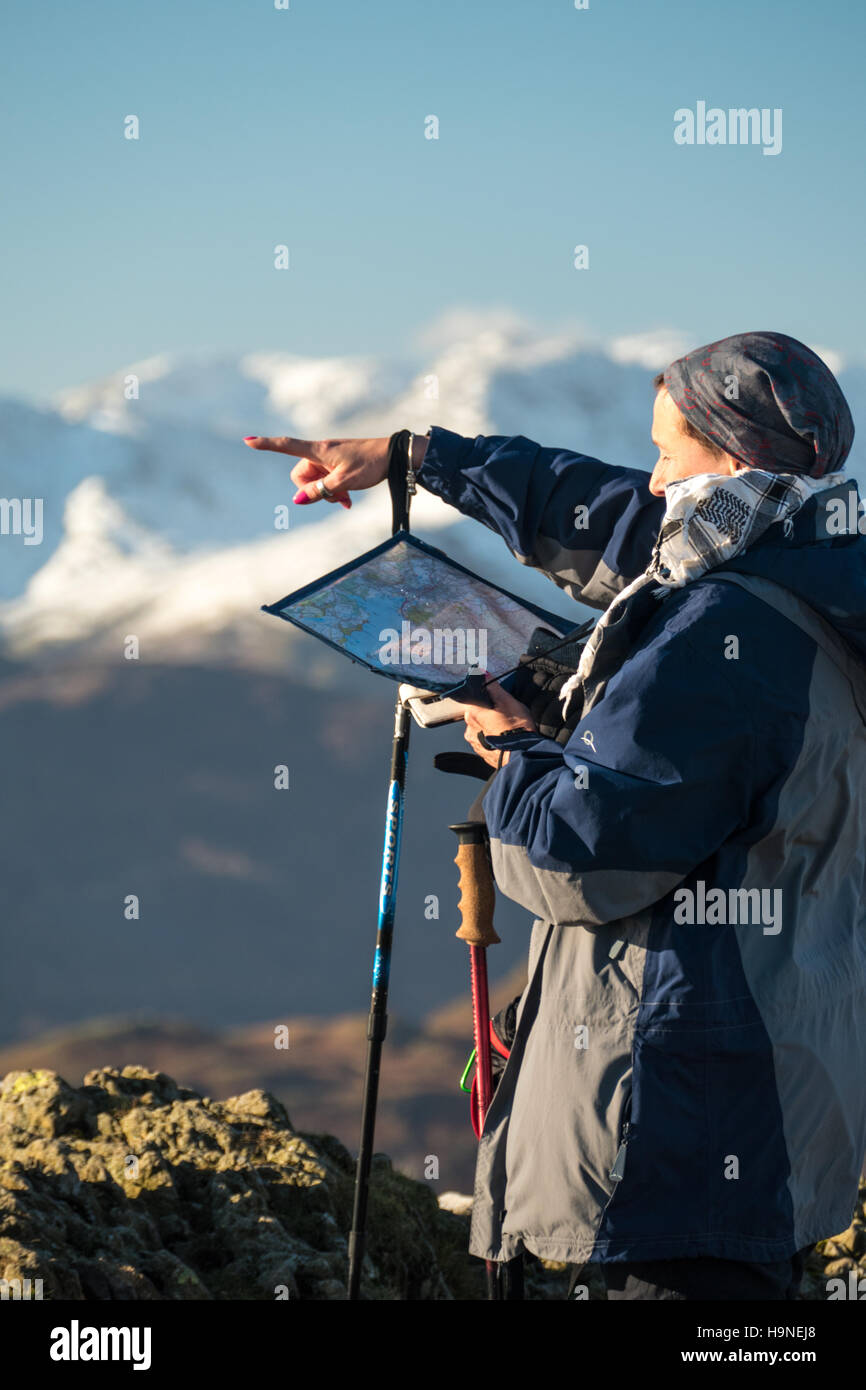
(589, 525)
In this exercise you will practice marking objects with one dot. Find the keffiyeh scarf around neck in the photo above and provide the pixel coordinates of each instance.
(710, 518)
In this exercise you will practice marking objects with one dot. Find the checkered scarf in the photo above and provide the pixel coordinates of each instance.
(709, 519)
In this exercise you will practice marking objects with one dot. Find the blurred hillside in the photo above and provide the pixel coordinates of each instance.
(318, 1077)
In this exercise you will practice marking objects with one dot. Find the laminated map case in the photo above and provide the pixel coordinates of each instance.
(377, 609)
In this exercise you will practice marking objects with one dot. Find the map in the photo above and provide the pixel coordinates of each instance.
(409, 612)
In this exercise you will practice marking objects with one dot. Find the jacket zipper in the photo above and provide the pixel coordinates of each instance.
(617, 1172)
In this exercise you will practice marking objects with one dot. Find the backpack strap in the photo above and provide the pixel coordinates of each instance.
(802, 616)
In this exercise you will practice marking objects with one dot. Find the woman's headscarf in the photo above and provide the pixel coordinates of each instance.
(767, 400)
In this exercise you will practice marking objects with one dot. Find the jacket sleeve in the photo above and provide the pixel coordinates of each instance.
(655, 778)
(588, 525)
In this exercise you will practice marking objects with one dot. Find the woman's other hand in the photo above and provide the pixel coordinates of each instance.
(506, 714)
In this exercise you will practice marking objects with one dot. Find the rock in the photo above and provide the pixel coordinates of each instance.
(260, 1105)
(132, 1187)
(831, 1249)
(851, 1242)
(41, 1103)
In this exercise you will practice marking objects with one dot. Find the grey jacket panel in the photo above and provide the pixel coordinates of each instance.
(554, 1128)
(569, 899)
(581, 573)
(809, 980)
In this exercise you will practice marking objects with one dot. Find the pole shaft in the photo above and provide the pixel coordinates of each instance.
(377, 1022)
(481, 1019)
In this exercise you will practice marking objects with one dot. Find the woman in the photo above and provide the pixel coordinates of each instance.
(684, 1100)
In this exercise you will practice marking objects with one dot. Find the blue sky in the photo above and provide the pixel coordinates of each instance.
(306, 127)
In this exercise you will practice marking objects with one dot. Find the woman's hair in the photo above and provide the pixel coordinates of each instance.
(688, 428)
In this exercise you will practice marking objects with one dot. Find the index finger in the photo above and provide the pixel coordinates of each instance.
(282, 444)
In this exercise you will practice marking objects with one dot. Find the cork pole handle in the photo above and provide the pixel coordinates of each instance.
(477, 896)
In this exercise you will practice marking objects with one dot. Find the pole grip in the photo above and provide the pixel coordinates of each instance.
(477, 896)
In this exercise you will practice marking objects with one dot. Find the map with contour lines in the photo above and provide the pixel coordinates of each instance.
(414, 617)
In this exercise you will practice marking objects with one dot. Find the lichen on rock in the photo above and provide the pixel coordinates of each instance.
(133, 1187)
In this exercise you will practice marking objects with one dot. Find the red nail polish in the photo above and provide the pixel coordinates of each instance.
(250, 436)
(300, 499)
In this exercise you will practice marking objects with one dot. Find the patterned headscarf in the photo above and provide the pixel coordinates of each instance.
(767, 400)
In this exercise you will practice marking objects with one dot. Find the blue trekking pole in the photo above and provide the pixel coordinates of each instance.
(401, 481)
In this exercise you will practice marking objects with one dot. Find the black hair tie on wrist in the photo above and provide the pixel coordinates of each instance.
(398, 467)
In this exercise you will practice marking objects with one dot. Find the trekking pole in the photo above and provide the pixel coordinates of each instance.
(378, 1020)
(477, 900)
(401, 488)
(477, 930)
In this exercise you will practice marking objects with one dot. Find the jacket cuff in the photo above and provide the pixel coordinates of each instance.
(516, 739)
(443, 459)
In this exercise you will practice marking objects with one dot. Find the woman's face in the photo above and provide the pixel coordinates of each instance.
(680, 456)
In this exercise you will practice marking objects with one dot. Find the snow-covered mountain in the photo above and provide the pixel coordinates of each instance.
(158, 521)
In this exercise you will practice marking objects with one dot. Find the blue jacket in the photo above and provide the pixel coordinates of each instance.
(687, 1076)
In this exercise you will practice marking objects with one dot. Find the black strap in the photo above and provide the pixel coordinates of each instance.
(398, 464)
(464, 764)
